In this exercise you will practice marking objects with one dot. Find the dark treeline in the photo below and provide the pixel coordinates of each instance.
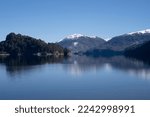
(103, 53)
(17, 44)
(141, 52)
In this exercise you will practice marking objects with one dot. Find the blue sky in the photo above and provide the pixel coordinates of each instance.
(52, 20)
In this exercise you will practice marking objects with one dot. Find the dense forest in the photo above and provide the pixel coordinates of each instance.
(17, 44)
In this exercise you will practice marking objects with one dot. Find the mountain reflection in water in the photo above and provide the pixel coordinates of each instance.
(83, 64)
(78, 65)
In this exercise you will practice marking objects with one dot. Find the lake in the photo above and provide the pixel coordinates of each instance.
(76, 77)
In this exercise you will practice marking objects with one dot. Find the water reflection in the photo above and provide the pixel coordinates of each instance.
(78, 65)
(17, 65)
(81, 64)
(29, 60)
(77, 77)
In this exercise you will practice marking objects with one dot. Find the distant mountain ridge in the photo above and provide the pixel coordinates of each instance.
(81, 43)
(119, 43)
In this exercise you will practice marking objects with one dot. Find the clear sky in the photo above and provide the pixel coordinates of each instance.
(52, 20)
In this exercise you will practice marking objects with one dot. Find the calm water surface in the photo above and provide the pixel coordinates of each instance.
(78, 77)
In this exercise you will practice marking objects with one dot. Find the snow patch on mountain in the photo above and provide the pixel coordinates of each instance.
(75, 43)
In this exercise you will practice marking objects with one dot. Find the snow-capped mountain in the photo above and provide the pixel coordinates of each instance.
(140, 32)
(78, 36)
(81, 43)
(74, 36)
(126, 40)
